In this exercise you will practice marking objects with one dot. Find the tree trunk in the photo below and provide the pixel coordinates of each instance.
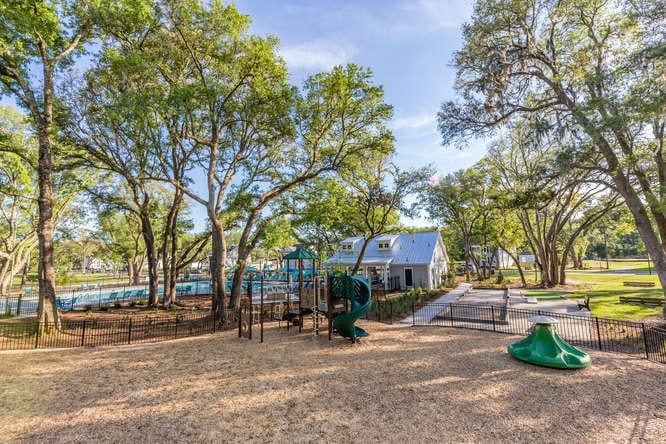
(648, 235)
(515, 259)
(170, 248)
(237, 282)
(219, 255)
(467, 257)
(130, 271)
(24, 274)
(361, 254)
(151, 253)
(47, 311)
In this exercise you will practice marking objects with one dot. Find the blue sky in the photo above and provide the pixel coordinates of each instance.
(409, 45)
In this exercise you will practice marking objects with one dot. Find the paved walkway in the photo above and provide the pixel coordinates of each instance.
(426, 314)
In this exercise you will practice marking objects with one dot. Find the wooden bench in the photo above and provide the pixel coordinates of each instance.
(641, 300)
(585, 303)
(638, 284)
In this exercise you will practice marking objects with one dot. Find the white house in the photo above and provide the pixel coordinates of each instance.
(500, 258)
(397, 261)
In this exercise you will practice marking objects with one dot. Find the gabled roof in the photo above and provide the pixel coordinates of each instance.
(300, 253)
(408, 248)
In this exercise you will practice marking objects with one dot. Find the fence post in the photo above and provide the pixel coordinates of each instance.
(598, 333)
(175, 335)
(129, 332)
(645, 341)
(214, 320)
(413, 314)
(83, 334)
(18, 306)
(37, 334)
(391, 310)
(492, 314)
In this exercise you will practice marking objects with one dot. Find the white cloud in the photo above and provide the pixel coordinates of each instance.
(317, 54)
(414, 122)
(436, 15)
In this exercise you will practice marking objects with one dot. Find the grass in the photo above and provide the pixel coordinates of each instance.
(546, 295)
(605, 290)
(603, 287)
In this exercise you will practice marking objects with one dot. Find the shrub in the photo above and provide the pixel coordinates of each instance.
(104, 307)
(117, 304)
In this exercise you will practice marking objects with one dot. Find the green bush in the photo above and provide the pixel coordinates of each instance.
(402, 304)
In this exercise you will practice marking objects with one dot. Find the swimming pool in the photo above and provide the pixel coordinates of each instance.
(97, 297)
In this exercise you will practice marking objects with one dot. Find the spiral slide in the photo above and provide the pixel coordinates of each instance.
(360, 304)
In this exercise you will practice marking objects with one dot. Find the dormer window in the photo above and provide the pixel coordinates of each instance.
(385, 243)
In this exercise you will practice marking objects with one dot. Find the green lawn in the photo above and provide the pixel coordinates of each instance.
(619, 264)
(546, 295)
(605, 290)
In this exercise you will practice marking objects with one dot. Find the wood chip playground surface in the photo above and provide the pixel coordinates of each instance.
(399, 385)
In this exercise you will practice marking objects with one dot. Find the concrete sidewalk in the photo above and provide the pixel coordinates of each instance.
(425, 314)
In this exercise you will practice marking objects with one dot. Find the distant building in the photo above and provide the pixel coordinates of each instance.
(500, 258)
(396, 261)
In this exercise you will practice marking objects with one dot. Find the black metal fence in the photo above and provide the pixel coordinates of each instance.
(97, 332)
(603, 334)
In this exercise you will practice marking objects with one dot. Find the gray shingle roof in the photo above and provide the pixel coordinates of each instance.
(417, 248)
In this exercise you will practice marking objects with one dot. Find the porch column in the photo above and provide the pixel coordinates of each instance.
(386, 277)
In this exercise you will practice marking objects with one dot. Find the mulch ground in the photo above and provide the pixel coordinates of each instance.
(398, 385)
(184, 304)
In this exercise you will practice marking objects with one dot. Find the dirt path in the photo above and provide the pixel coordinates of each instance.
(399, 385)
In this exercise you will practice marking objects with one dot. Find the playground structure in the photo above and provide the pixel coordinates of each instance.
(354, 290)
(544, 347)
(294, 293)
(347, 298)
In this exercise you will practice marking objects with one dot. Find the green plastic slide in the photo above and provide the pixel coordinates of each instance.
(546, 348)
(360, 304)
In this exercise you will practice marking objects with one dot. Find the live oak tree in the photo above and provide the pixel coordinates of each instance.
(220, 95)
(18, 196)
(120, 232)
(378, 194)
(555, 200)
(321, 215)
(340, 124)
(108, 128)
(461, 200)
(228, 92)
(38, 40)
(597, 68)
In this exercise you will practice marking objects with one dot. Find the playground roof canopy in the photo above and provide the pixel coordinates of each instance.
(300, 253)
